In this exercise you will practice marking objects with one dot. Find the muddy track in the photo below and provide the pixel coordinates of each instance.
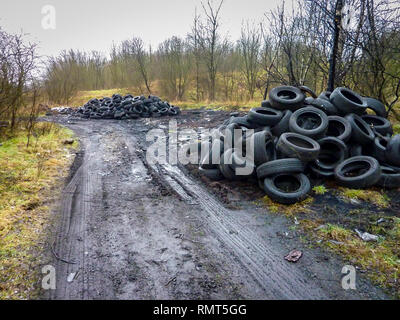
(279, 279)
(129, 229)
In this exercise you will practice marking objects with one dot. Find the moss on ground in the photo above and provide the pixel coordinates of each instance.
(380, 260)
(376, 197)
(288, 210)
(28, 176)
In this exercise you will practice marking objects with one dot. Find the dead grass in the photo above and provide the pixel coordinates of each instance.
(84, 96)
(27, 180)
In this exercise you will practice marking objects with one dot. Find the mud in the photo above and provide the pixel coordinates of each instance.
(129, 229)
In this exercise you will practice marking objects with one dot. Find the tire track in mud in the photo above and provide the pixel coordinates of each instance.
(70, 244)
(279, 279)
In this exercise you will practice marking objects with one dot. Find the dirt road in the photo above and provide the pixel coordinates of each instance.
(130, 230)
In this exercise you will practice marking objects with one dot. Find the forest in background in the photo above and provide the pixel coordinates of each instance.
(321, 44)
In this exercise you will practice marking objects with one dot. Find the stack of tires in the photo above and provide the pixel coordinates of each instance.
(127, 107)
(326, 137)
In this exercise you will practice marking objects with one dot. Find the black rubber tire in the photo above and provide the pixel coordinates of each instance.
(390, 178)
(264, 116)
(379, 124)
(174, 111)
(308, 100)
(264, 148)
(325, 105)
(212, 159)
(339, 127)
(393, 151)
(243, 122)
(379, 148)
(212, 174)
(348, 101)
(239, 162)
(338, 153)
(361, 131)
(204, 149)
(321, 173)
(295, 145)
(186, 149)
(226, 168)
(279, 195)
(286, 97)
(355, 150)
(288, 165)
(229, 133)
(283, 125)
(376, 106)
(325, 95)
(219, 133)
(266, 104)
(309, 127)
(368, 176)
(397, 169)
(308, 90)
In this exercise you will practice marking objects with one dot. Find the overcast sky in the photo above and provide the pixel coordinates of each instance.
(96, 24)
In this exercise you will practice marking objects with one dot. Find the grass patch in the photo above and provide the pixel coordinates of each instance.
(375, 197)
(84, 96)
(381, 260)
(223, 106)
(27, 182)
(396, 128)
(320, 189)
(288, 210)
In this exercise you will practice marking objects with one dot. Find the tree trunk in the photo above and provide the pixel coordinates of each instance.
(335, 47)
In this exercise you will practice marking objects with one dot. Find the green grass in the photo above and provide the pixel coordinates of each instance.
(396, 128)
(375, 197)
(320, 189)
(380, 260)
(28, 176)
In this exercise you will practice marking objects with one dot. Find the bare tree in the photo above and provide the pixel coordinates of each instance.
(142, 59)
(17, 63)
(249, 47)
(211, 43)
(174, 61)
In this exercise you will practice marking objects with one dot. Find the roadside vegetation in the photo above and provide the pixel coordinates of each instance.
(380, 260)
(30, 179)
(333, 226)
(34, 157)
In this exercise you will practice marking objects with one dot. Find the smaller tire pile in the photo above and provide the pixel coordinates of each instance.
(127, 107)
(297, 137)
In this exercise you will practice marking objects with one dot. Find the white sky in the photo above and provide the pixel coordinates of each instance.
(96, 24)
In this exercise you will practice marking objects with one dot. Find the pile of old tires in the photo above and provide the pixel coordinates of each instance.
(296, 138)
(126, 107)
